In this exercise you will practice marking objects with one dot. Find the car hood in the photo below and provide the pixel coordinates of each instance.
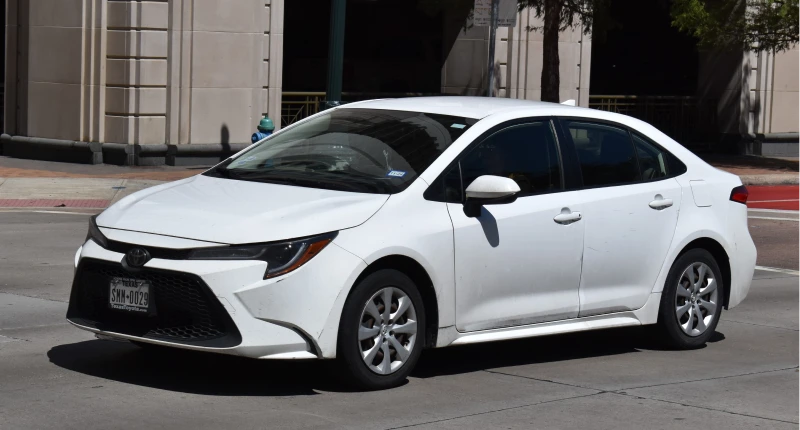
(233, 212)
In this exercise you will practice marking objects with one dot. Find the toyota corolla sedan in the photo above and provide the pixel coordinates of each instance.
(369, 232)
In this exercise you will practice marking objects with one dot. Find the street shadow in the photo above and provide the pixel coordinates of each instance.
(486, 356)
(196, 372)
(223, 375)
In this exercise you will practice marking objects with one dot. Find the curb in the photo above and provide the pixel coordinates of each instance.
(776, 179)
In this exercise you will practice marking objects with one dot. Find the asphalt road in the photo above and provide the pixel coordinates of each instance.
(55, 376)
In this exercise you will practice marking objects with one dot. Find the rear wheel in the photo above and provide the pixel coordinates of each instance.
(691, 303)
(382, 330)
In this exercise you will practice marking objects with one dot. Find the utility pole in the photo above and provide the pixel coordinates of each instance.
(333, 96)
(492, 37)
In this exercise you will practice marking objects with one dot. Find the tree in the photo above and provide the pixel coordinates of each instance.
(753, 25)
(559, 15)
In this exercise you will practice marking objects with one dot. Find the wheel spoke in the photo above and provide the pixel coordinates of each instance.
(387, 304)
(410, 327)
(683, 292)
(687, 328)
(710, 288)
(402, 352)
(690, 275)
(373, 311)
(386, 364)
(710, 307)
(366, 333)
(701, 278)
(370, 354)
(402, 306)
(701, 324)
(681, 310)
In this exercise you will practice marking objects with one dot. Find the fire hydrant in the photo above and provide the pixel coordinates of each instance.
(264, 129)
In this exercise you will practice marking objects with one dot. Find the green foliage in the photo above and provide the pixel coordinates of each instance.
(756, 25)
(573, 12)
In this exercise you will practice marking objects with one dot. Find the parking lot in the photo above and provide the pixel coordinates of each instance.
(53, 375)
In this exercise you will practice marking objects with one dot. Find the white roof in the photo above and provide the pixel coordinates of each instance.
(467, 107)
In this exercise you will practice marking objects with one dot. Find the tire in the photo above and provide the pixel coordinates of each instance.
(358, 316)
(688, 299)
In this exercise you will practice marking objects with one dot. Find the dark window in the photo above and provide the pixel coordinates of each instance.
(653, 163)
(525, 153)
(605, 154)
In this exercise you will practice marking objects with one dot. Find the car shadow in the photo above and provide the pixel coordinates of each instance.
(223, 375)
(195, 372)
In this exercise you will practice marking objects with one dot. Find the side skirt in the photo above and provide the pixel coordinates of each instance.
(647, 314)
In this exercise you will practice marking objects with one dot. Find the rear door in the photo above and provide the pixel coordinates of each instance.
(630, 202)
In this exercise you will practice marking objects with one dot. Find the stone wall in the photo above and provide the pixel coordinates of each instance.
(143, 72)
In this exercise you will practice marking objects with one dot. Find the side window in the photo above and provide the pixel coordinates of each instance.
(525, 153)
(653, 162)
(605, 153)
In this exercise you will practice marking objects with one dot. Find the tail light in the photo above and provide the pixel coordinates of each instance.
(739, 194)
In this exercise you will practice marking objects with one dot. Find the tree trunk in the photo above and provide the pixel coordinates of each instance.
(550, 78)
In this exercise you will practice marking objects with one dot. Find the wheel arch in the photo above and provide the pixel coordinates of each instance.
(422, 280)
(720, 255)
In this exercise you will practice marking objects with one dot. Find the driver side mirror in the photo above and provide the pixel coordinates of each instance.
(489, 190)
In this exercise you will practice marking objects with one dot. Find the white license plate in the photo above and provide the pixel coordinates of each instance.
(131, 295)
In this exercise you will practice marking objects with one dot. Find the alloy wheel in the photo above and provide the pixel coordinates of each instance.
(696, 301)
(387, 332)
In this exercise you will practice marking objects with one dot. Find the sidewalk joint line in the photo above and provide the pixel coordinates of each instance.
(706, 379)
(495, 410)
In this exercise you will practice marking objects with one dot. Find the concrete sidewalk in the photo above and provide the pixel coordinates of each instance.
(46, 184)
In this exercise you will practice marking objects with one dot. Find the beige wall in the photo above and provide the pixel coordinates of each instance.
(785, 101)
(525, 61)
(149, 71)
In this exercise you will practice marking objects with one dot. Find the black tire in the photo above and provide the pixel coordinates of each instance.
(668, 327)
(354, 368)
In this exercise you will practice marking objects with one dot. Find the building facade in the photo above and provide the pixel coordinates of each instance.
(154, 81)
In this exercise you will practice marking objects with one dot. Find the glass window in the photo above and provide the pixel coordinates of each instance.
(359, 150)
(605, 154)
(525, 153)
(653, 162)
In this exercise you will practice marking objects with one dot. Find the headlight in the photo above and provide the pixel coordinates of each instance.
(95, 234)
(281, 257)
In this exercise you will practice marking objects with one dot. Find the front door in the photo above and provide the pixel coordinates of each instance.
(517, 263)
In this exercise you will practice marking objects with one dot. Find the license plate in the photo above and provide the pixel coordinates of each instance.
(132, 295)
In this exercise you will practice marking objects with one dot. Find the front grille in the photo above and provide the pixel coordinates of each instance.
(186, 311)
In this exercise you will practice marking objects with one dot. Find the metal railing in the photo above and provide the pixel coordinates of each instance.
(689, 120)
(296, 105)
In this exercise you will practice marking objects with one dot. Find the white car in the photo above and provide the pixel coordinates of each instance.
(374, 230)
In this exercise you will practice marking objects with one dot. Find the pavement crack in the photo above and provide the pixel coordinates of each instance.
(542, 380)
(621, 390)
(705, 408)
(762, 325)
(495, 411)
(33, 297)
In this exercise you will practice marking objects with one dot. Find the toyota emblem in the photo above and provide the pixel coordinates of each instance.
(136, 257)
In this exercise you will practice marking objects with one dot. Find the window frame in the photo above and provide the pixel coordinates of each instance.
(569, 146)
(431, 192)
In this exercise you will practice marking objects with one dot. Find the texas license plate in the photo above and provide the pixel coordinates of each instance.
(132, 295)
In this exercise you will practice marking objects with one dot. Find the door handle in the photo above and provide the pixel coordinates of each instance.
(660, 203)
(567, 218)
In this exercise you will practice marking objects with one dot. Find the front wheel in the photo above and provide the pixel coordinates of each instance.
(382, 330)
(691, 303)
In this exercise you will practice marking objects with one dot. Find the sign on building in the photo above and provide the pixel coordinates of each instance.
(506, 16)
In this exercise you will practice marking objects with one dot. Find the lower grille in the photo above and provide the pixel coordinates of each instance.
(186, 311)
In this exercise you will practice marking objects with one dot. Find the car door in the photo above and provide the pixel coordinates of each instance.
(630, 205)
(517, 263)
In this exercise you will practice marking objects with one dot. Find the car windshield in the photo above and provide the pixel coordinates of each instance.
(359, 150)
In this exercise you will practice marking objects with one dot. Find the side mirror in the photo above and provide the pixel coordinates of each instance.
(489, 190)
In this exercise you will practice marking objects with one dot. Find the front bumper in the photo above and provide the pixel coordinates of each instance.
(221, 306)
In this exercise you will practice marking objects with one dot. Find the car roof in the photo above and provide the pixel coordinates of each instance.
(467, 107)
